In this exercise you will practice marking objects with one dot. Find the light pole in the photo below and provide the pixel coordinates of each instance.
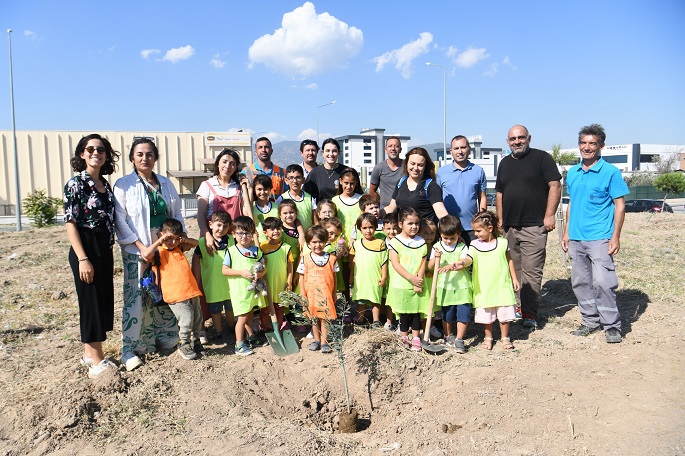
(14, 138)
(444, 107)
(317, 119)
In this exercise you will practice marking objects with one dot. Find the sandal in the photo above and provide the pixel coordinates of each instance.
(506, 344)
(487, 343)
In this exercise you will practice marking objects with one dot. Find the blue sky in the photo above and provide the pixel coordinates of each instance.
(266, 65)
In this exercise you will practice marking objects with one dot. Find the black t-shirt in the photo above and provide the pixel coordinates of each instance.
(322, 183)
(524, 184)
(417, 198)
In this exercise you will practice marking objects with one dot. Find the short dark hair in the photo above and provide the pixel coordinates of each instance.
(263, 180)
(450, 225)
(78, 164)
(390, 218)
(368, 199)
(365, 216)
(173, 226)
(271, 223)
(468, 144)
(595, 130)
(392, 137)
(137, 141)
(331, 141)
(308, 142)
(294, 169)
(244, 223)
(263, 138)
(315, 231)
(221, 216)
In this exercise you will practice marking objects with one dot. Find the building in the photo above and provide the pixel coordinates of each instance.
(364, 150)
(487, 158)
(639, 157)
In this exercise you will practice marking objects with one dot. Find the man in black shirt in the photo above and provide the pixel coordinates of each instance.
(528, 192)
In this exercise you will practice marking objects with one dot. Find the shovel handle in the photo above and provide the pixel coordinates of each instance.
(429, 318)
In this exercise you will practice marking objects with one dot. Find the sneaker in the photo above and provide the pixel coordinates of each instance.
(85, 361)
(404, 340)
(131, 361)
(459, 346)
(314, 346)
(449, 340)
(388, 326)
(325, 348)
(416, 344)
(376, 325)
(613, 336)
(186, 352)
(203, 337)
(530, 323)
(94, 371)
(310, 335)
(584, 331)
(197, 347)
(518, 314)
(243, 350)
(435, 333)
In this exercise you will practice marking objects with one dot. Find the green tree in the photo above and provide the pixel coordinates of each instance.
(563, 158)
(670, 183)
(41, 209)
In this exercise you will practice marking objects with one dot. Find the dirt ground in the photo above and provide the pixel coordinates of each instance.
(554, 394)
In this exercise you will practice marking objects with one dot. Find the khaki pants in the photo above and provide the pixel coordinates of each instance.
(527, 247)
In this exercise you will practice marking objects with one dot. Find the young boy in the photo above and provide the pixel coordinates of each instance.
(178, 284)
(214, 282)
(370, 204)
(306, 204)
(454, 281)
(279, 267)
(238, 266)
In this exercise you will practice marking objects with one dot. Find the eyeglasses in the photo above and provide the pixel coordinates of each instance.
(295, 178)
(92, 149)
(242, 234)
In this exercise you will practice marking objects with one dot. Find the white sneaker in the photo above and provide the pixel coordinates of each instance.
(435, 333)
(203, 337)
(94, 371)
(131, 361)
(86, 361)
(310, 335)
(388, 326)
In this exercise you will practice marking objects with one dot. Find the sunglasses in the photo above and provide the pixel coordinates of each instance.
(92, 149)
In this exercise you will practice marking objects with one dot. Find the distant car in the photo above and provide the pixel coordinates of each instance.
(647, 205)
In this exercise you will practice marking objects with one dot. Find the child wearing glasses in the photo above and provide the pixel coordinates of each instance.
(306, 204)
(178, 284)
(238, 266)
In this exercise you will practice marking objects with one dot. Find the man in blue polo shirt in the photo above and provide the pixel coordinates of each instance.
(463, 186)
(595, 215)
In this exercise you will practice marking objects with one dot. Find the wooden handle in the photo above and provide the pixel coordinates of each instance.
(434, 289)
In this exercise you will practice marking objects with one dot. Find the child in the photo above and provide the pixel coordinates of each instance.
(428, 231)
(210, 271)
(406, 293)
(293, 232)
(390, 231)
(264, 204)
(494, 278)
(325, 209)
(279, 266)
(370, 204)
(306, 204)
(336, 244)
(454, 281)
(178, 284)
(318, 270)
(368, 268)
(238, 263)
(347, 201)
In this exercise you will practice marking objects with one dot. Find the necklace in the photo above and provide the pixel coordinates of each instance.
(330, 175)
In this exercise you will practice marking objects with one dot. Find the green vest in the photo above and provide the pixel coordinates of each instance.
(214, 283)
(277, 270)
(242, 299)
(304, 208)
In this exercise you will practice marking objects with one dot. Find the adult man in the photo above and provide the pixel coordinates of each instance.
(596, 189)
(309, 150)
(264, 165)
(463, 186)
(528, 192)
(386, 174)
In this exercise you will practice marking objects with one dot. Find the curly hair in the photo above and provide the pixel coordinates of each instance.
(78, 164)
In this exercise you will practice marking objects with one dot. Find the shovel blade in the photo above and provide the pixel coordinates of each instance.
(433, 349)
(284, 345)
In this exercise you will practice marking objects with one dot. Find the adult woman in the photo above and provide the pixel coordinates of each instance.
(322, 182)
(221, 192)
(89, 219)
(417, 190)
(143, 200)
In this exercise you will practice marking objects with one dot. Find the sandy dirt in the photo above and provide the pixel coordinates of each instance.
(554, 394)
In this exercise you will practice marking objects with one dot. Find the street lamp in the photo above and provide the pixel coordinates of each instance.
(444, 107)
(317, 119)
(14, 138)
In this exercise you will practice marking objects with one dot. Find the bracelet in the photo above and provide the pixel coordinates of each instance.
(82, 259)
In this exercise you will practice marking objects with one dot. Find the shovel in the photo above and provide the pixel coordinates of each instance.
(426, 344)
(284, 344)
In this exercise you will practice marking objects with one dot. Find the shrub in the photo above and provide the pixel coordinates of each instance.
(41, 209)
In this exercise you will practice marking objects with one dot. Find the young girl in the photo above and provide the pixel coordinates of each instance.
(494, 278)
(325, 209)
(405, 293)
(428, 231)
(347, 201)
(293, 232)
(390, 231)
(318, 270)
(265, 204)
(368, 268)
(336, 244)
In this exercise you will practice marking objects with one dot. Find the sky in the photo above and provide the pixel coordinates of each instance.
(267, 66)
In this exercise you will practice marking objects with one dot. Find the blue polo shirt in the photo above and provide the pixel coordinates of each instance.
(592, 194)
(460, 190)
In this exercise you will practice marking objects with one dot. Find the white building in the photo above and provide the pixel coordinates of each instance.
(364, 150)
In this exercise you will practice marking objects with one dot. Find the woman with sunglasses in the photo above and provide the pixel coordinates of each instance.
(143, 201)
(89, 219)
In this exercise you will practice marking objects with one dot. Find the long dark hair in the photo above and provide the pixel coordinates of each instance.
(235, 156)
(78, 164)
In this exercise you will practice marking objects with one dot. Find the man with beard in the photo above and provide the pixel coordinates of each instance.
(387, 173)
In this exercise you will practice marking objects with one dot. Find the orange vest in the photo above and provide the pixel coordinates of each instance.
(177, 280)
(319, 287)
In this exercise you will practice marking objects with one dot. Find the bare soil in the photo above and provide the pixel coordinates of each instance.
(554, 394)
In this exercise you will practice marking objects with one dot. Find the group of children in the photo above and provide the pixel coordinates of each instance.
(321, 248)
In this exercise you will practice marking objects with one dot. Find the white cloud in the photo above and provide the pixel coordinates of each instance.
(470, 57)
(404, 56)
(175, 55)
(307, 43)
(492, 71)
(508, 63)
(312, 86)
(308, 133)
(146, 53)
(216, 62)
(273, 136)
(30, 34)
(451, 51)
(112, 47)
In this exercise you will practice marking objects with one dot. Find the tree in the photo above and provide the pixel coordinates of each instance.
(665, 163)
(670, 183)
(563, 158)
(640, 179)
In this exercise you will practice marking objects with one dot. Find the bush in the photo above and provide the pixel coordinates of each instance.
(41, 209)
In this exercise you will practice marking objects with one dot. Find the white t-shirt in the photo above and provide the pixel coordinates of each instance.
(319, 260)
(205, 192)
